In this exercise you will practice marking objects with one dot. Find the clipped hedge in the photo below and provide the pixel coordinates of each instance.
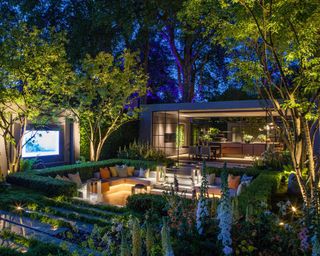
(87, 169)
(5, 251)
(260, 190)
(250, 171)
(47, 185)
(43, 180)
(141, 203)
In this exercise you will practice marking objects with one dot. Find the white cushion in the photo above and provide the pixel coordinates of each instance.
(144, 173)
(75, 178)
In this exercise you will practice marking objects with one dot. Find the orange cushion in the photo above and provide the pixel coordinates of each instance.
(113, 171)
(104, 173)
(130, 170)
(233, 181)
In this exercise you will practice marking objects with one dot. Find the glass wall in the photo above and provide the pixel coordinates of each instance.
(164, 131)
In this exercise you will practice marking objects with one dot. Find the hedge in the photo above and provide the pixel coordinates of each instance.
(43, 180)
(87, 169)
(260, 190)
(250, 171)
(5, 251)
(141, 203)
(47, 185)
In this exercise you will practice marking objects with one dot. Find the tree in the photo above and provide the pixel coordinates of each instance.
(105, 95)
(33, 72)
(278, 44)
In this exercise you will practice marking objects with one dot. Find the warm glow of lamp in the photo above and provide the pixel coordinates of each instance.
(294, 209)
(281, 223)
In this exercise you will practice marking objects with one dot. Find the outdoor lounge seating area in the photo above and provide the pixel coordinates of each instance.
(114, 184)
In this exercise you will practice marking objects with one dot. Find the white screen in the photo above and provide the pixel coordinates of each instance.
(40, 143)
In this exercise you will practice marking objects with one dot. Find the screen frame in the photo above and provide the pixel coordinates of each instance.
(27, 137)
(51, 158)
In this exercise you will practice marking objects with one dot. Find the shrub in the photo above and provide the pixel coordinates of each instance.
(9, 252)
(273, 160)
(48, 185)
(143, 151)
(250, 171)
(141, 203)
(260, 190)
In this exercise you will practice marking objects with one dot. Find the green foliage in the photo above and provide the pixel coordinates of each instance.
(180, 133)
(5, 251)
(27, 164)
(105, 94)
(48, 185)
(165, 239)
(274, 160)
(250, 171)
(143, 151)
(260, 191)
(136, 237)
(34, 77)
(44, 179)
(141, 203)
(124, 248)
(35, 247)
(149, 238)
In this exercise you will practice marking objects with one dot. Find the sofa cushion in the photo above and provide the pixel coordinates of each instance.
(144, 173)
(122, 172)
(130, 170)
(233, 181)
(246, 178)
(97, 175)
(58, 177)
(217, 181)
(211, 178)
(113, 171)
(105, 173)
(75, 178)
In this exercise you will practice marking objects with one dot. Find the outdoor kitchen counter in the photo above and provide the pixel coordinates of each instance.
(241, 149)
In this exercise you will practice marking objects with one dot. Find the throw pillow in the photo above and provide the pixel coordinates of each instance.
(144, 173)
(113, 171)
(130, 170)
(66, 178)
(122, 172)
(241, 188)
(246, 178)
(104, 173)
(75, 178)
(58, 177)
(233, 181)
(211, 177)
(97, 175)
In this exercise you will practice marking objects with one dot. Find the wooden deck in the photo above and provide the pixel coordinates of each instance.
(232, 162)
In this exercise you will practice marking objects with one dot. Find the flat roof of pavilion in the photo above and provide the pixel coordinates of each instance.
(216, 108)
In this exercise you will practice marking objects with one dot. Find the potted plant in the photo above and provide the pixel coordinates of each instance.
(213, 132)
(262, 138)
(247, 138)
